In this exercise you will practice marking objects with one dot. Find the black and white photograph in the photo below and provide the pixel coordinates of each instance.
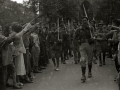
(59, 44)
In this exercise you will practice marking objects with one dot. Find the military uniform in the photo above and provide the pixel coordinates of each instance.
(55, 48)
(86, 50)
(102, 46)
(65, 45)
(43, 47)
(76, 46)
(71, 43)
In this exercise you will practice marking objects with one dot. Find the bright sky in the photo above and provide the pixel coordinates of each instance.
(19, 1)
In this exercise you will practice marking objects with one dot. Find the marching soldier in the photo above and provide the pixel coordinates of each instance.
(102, 43)
(43, 44)
(93, 28)
(76, 44)
(55, 46)
(65, 43)
(86, 51)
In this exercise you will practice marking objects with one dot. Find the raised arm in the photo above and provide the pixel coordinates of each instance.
(21, 33)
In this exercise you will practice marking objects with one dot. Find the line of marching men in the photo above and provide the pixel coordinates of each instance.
(87, 42)
(26, 50)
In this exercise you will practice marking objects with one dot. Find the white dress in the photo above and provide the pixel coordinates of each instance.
(19, 59)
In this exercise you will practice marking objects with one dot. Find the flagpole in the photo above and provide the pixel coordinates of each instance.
(68, 26)
(58, 28)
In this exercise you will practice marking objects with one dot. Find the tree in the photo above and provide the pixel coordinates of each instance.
(14, 12)
(108, 10)
(66, 9)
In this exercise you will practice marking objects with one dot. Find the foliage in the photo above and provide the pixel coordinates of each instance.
(60, 8)
(108, 10)
(13, 12)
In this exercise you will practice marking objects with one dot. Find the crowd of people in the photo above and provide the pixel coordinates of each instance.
(27, 49)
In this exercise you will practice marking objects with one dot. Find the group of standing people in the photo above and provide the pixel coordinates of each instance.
(21, 54)
(26, 50)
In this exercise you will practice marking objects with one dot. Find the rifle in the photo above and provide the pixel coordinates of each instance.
(88, 20)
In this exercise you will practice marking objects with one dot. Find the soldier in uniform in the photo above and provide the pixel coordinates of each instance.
(76, 44)
(55, 46)
(102, 43)
(43, 47)
(93, 28)
(116, 47)
(86, 51)
(65, 43)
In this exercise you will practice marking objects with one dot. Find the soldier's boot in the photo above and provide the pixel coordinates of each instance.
(57, 66)
(53, 59)
(62, 59)
(104, 59)
(83, 78)
(94, 60)
(89, 72)
(100, 61)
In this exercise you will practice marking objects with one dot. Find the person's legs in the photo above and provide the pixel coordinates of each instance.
(12, 71)
(57, 56)
(75, 56)
(53, 59)
(90, 70)
(79, 56)
(100, 61)
(104, 55)
(65, 56)
(27, 66)
(57, 63)
(3, 73)
(83, 78)
(83, 60)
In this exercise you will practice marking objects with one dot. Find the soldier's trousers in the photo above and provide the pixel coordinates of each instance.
(76, 56)
(86, 52)
(76, 51)
(100, 57)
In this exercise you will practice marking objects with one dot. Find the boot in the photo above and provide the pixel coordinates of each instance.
(89, 73)
(100, 61)
(104, 59)
(83, 73)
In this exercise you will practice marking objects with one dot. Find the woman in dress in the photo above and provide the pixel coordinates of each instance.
(19, 49)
